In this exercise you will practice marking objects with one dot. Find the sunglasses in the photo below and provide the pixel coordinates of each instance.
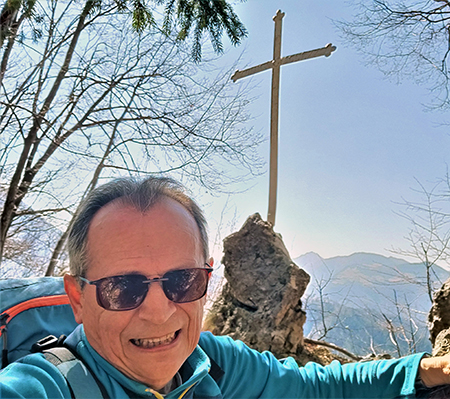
(128, 291)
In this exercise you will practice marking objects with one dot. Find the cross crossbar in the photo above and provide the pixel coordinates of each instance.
(323, 51)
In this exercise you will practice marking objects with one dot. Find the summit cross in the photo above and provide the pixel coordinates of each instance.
(275, 64)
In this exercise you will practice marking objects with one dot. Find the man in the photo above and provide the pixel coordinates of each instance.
(139, 273)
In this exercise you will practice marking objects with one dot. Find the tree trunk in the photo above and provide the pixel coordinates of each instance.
(17, 187)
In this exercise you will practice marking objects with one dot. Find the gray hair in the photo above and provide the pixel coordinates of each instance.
(142, 195)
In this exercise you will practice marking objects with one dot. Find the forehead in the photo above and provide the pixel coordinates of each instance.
(121, 236)
(164, 209)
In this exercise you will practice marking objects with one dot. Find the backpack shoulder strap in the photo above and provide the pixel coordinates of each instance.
(82, 382)
(216, 371)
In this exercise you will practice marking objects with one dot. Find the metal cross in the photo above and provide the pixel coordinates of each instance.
(275, 64)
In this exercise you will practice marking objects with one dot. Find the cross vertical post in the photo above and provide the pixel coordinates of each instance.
(275, 64)
(275, 97)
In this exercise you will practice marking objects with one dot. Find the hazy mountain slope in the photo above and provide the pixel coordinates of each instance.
(363, 296)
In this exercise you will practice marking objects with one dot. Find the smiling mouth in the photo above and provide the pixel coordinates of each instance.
(149, 343)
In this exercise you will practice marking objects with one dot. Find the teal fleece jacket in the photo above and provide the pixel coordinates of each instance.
(245, 373)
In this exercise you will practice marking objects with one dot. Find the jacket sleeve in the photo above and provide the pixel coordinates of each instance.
(250, 374)
(33, 377)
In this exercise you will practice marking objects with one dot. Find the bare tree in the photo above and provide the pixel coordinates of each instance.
(26, 250)
(402, 329)
(326, 325)
(429, 235)
(405, 39)
(91, 98)
(324, 316)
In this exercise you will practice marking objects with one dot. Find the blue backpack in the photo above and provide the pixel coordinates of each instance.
(35, 316)
(31, 309)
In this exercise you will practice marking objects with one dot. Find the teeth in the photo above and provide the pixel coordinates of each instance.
(149, 343)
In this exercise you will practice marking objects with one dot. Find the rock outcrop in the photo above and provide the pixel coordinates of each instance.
(439, 316)
(442, 343)
(261, 302)
(439, 325)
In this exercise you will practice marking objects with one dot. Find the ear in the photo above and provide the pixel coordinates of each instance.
(73, 291)
(210, 263)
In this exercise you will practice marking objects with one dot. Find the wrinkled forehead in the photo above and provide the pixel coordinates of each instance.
(165, 228)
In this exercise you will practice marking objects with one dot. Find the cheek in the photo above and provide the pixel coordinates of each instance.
(195, 313)
(103, 328)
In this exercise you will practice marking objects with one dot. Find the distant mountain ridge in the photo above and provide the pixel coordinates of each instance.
(361, 294)
(369, 260)
(363, 270)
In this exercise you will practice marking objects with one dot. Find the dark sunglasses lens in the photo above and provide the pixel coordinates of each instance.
(121, 292)
(186, 285)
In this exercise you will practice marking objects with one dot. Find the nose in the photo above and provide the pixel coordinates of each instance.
(156, 308)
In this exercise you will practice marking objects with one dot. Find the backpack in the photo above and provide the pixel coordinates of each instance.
(33, 312)
(31, 309)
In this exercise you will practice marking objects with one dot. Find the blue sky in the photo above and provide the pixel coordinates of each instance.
(352, 143)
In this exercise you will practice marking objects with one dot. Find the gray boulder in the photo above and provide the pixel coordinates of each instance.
(439, 315)
(261, 302)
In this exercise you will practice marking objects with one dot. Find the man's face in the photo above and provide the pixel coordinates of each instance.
(150, 343)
